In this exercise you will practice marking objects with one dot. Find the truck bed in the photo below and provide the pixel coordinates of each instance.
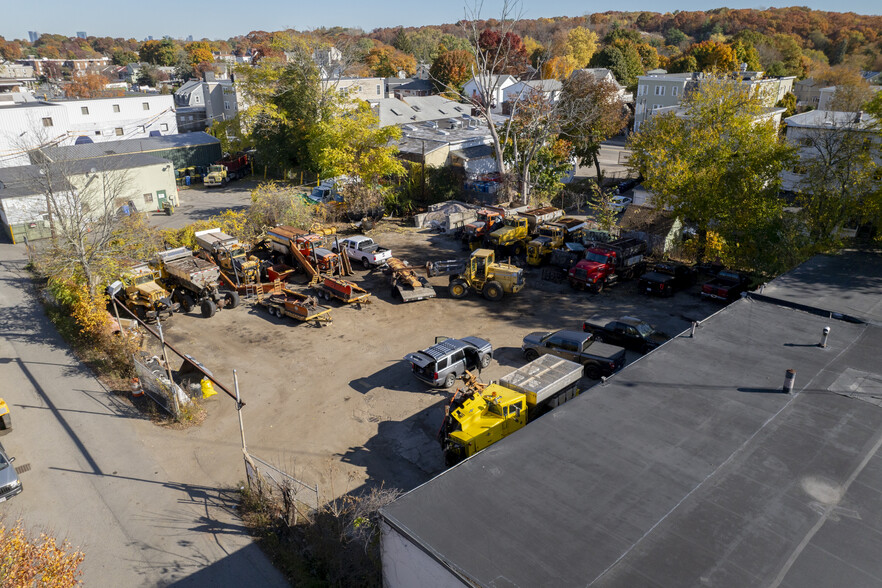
(410, 293)
(543, 377)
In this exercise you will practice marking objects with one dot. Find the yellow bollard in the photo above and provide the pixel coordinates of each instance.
(207, 389)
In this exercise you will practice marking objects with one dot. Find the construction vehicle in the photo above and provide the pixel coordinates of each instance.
(226, 170)
(476, 232)
(144, 297)
(607, 264)
(5, 418)
(229, 253)
(480, 273)
(193, 281)
(283, 240)
(551, 236)
(513, 236)
(479, 415)
(406, 284)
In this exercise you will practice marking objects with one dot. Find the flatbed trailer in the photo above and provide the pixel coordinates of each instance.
(298, 306)
(406, 284)
(342, 290)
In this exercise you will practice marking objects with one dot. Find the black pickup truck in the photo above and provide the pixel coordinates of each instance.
(629, 332)
(667, 278)
(599, 359)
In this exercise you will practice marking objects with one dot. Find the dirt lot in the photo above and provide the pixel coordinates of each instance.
(337, 406)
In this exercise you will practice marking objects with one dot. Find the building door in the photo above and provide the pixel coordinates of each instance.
(160, 199)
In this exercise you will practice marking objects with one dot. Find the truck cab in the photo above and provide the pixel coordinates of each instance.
(512, 235)
(477, 421)
(550, 237)
(606, 264)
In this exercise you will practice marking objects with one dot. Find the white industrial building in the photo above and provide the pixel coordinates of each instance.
(27, 123)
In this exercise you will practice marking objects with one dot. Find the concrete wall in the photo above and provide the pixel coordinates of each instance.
(405, 565)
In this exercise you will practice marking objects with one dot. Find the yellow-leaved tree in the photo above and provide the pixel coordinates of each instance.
(36, 561)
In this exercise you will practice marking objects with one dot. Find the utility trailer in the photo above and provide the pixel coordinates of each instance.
(342, 290)
(298, 306)
(406, 284)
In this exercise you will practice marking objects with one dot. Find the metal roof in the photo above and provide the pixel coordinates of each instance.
(105, 148)
(689, 467)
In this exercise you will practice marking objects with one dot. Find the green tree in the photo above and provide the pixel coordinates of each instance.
(402, 42)
(675, 37)
(591, 113)
(163, 52)
(719, 166)
(124, 57)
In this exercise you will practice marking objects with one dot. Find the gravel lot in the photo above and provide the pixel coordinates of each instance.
(337, 406)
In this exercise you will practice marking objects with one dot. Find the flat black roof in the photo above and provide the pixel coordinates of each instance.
(689, 467)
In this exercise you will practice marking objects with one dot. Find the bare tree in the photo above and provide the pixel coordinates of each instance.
(82, 203)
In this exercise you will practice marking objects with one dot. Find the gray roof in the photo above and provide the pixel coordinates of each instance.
(822, 119)
(687, 468)
(415, 109)
(106, 148)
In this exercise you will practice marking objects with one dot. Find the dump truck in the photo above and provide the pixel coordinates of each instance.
(513, 236)
(480, 273)
(406, 284)
(229, 253)
(193, 281)
(476, 232)
(551, 236)
(605, 265)
(480, 415)
(226, 170)
(143, 296)
(283, 239)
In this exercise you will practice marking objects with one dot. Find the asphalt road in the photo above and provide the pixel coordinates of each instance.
(201, 203)
(128, 493)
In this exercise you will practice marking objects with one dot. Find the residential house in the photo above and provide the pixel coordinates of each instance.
(807, 92)
(818, 129)
(659, 91)
(201, 103)
(827, 95)
(371, 89)
(138, 182)
(53, 68)
(549, 90)
(423, 71)
(16, 78)
(472, 89)
(406, 87)
(602, 73)
(743, 454)
(29, 123)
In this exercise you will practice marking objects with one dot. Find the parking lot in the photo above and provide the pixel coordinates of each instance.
(337, 406)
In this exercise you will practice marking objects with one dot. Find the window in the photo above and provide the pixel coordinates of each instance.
(458, 356)
(163, 126)
(659, 90)
(226, 105)
(141, 129)
(641, 90)
(148, 197)
(197, 99)
(84, 109)
(145, 105)
(98, 132)
(674, 91)
(47, 122)
(378, 88)
(116, 107)
(118, 131)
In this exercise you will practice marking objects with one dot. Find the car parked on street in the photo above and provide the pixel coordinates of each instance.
(10, 485)
(599, 359)
(448, 359)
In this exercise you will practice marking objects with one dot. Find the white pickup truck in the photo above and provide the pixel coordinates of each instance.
(363, 249)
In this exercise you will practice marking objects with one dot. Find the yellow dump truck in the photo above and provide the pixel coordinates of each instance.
(479, 415)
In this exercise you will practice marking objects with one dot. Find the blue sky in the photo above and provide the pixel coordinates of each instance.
(225, 18)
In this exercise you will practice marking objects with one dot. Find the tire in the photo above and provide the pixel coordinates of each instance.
(592, 372)
(187, 303)
(208, 308)
(598, 338)
(365, 263)
(232, 299)
(517, 249)
(493, 291)
(531, 354)
(485, 361)
(450, 380)
(598, 288)
(458, 289)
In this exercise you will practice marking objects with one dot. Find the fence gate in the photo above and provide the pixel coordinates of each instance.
(266, 478)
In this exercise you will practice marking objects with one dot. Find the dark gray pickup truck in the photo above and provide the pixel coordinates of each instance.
(599, 359)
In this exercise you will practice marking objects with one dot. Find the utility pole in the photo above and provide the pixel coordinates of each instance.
(171, 381)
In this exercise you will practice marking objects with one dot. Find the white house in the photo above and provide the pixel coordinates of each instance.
(360, 88)
(497, 86)
(200, 103)
(26, 122)
(549, 89)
